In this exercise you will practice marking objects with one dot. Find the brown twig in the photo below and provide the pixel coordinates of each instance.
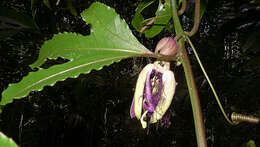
(183, 7)
(196, 19)
(148, 25)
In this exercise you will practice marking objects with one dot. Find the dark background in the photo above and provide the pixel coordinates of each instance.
(93, 110)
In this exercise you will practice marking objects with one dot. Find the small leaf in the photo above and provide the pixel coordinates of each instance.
(138, 18)
(250, 143)
(6, 142)
(203, 8)
(163, 16)
(110, 41)
(47, 3)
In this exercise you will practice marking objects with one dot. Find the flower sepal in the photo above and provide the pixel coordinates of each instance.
(154, 92)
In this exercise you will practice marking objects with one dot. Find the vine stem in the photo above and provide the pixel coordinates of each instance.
(210, 84)
(196, 19)
(196, 109)
(183, 7)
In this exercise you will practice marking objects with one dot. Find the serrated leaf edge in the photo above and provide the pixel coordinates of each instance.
(113, 60)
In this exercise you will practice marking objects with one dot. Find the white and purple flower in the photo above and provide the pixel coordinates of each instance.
(155, 88)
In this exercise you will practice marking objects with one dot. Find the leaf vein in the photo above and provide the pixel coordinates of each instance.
(70, 69)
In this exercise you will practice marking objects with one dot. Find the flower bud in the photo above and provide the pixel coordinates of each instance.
(167, 46)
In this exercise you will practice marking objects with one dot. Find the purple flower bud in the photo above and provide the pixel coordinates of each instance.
(167, 46)
(153, 95)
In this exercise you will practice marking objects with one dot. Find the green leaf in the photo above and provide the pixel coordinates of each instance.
(163, 15)
(250, 143)
(203, 7)
(138, 18)
(110, 41)
(47, 3)
(6, 142)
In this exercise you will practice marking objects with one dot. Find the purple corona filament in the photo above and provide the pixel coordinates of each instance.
(155, 88)
(152, 95)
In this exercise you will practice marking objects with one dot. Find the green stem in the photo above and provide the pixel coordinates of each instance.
(197, 114)
(210, 84)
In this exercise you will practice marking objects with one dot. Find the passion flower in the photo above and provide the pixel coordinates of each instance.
(154, 92)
